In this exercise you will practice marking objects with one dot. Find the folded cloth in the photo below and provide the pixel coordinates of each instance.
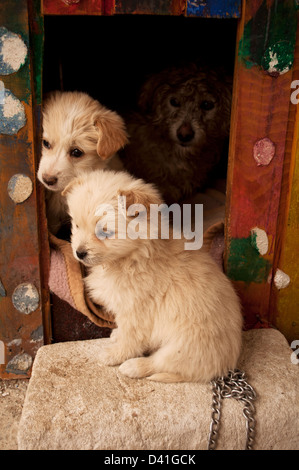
(66, 281)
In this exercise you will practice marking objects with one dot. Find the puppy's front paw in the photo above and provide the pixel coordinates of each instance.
(135, 368)
(109, 357)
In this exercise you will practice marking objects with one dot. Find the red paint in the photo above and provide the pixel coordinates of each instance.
(84, 7)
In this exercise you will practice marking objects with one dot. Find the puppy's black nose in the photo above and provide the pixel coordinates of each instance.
(81, 254)
(49, 180)
(185, 133)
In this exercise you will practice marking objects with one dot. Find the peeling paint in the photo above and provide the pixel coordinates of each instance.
(12, 114)
(214, 8)
(263, 151)
(269, 38)
(281, 279)
(13, 52)
(278, 58)
(25, 298)
(15, 342)
(38, 334)
(19, 188)
(19, 364)
(259, 240)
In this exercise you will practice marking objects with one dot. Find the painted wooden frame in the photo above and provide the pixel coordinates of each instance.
(200, 8)
(23, 288)
(258, 142)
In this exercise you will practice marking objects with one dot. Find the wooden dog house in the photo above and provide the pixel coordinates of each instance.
(262, 224)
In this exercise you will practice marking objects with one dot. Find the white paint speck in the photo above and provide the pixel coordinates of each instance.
(281, 279)
(12, 107)
(260, 238)
(273, 61)
(14, 50)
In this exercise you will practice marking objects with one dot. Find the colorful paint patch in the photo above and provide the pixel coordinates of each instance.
(270, 47)
(12, 114)
(263, 151)
(25, 298)
(259, 240)
(245, 263)
(278, 58)
(13, 52)
(281, 279)
(19, 364)
(214, 8)
(19, 188)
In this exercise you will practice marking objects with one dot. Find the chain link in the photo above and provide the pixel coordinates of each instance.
(234, 385)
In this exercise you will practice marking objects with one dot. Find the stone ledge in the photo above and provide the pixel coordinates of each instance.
(75, 402)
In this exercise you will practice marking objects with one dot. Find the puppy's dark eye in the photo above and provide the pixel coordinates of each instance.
(174, 102)
(207, 105)
(76, 153)
(46, 144)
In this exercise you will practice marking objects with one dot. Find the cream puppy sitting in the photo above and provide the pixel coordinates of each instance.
(178, 316)
(79, 135)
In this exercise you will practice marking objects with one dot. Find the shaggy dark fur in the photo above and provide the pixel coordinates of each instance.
(177, 135)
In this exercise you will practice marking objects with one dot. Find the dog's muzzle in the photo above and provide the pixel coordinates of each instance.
(49, 180)
(185, 133)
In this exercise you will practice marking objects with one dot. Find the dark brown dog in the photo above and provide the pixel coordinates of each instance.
(177, 135)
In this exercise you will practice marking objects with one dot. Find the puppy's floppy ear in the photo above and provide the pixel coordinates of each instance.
(139, 196)
(112, 133)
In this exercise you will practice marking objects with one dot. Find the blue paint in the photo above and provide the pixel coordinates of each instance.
(11, 124)
(5, 67)
(214, 8)
(2, 290)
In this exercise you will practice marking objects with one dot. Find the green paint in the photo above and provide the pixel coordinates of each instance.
(37, 49)
(269, 38)
(245, 263)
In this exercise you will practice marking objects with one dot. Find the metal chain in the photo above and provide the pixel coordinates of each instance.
(234, 385)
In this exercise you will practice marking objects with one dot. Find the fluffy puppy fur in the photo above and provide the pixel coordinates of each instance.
(79, 135)
(178, 316)
(177, 135)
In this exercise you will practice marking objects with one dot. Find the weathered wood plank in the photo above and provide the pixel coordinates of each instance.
(284, 298)
(21, 323)
(285, 282)
(258, 134)
(36, 30)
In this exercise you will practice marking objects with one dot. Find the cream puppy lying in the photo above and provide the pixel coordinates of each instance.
(79, 135)
(178, 316)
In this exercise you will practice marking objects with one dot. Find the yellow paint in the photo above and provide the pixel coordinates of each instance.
(287, 319)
